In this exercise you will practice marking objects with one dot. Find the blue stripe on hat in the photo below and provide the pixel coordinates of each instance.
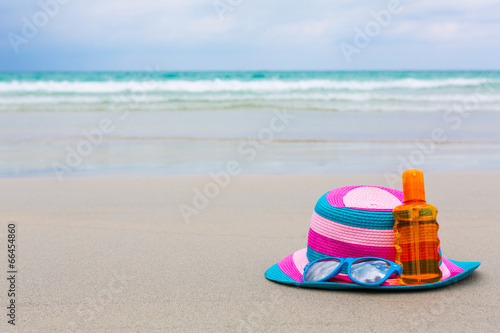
(354, 217)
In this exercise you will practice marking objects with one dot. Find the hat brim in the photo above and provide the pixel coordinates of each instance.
(289, 271)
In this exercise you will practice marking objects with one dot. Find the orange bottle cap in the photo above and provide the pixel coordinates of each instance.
(413, 185)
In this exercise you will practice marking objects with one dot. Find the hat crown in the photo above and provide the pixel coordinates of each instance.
(354, 221)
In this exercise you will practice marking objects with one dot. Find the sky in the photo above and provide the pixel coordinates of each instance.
(176, 35)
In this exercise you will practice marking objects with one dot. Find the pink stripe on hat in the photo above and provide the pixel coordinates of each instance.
(300, 260)
(288, 267)
(353, 235)
(453, 269)
(344, 278)
(337, 248)
(445, 272)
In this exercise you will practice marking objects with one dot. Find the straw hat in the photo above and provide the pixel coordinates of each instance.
(356, 221)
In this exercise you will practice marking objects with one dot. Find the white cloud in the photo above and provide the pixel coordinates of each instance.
(302, 28)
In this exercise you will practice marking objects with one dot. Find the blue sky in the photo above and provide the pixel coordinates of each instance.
(249, 35)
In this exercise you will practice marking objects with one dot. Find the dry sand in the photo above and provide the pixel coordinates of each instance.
(115, 255)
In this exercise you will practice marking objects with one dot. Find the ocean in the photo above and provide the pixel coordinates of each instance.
(168, 123)
(308, 91)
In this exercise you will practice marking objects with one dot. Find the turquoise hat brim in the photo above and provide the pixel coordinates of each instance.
(276, 274)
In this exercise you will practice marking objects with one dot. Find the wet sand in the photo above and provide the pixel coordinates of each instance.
(163, 144)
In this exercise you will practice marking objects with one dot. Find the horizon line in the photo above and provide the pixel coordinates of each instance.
(246, 70)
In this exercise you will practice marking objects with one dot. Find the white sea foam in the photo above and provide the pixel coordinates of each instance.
(404, 95)
(245, 97)
(259, 86)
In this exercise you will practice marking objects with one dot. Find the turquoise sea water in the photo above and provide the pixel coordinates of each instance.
(161, 123)
(324, 91)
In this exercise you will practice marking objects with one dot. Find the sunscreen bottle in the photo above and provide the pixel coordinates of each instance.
(417, 242)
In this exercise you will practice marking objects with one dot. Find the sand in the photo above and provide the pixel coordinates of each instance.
(116, 255)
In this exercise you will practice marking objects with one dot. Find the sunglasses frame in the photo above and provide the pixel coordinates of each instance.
(394, 268)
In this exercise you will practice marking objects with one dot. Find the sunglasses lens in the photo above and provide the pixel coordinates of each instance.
(320, 269)
(369, 270)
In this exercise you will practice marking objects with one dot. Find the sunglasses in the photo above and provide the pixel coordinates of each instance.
(367, 271)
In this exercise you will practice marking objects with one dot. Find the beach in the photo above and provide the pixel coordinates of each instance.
(155, 201)
(223, 166)
(116, 255)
